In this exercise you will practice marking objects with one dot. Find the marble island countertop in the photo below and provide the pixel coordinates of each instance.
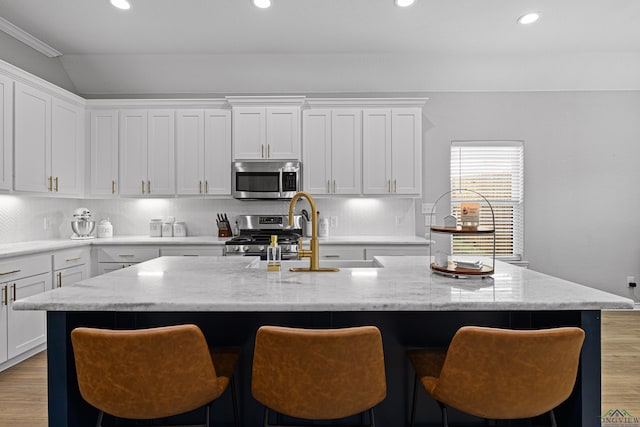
(242, 284)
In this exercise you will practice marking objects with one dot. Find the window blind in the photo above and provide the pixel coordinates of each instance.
(495, 169)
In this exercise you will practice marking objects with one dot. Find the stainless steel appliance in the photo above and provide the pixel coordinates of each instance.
(266, 180)
(82, 225)
(255, 236)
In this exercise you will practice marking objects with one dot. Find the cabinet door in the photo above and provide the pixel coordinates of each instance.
(4, 310)
(6, 136)
(283, 133)
(26, 329)
(133, 152)
(406, 156)
(67, 147)
(316, 166)
(161, 153)
(249, 133)
(376, 151)
(32, 136)
(69, 276)
(104, 153)
(346, 129)
(217, 152)
(189, 151)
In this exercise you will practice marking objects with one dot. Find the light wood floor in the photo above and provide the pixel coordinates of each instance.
(23, 388)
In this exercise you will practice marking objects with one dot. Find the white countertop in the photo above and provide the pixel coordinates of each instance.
(238, 284)
(32, 247)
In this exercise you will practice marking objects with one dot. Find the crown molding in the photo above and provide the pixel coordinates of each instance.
(26, 38)
(156, 103)
(366, 102)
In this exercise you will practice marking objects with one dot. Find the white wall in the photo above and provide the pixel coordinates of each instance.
(582, 149)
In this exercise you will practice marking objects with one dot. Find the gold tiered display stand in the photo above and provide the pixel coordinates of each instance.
(452, 269)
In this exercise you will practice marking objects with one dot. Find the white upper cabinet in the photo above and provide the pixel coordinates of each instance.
(332, 147)
(104, 153)
(203, 152)
(32, 135)
(392, 151)
(266, 128)
(146, 152)
(48, 148)
(266, 133)
(67, 143)
(6, 133)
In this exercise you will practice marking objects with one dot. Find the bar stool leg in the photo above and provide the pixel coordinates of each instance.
(445, 421)
(413, 402)
(234, 401)
(553, 418)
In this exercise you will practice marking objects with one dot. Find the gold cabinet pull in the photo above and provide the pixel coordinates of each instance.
(389, 182)
(14, 292)
(113, 186)
(5, 295)
(268, 151)
(10, 272)
(60, 279)
(56, 180)
(50, 183)
(334, 185)
(143, 186)
(262, 151)
(73, 259)
(126, 255)
(395, 185)
(149, 187)
(206, 186)
(200, 187)
(328, 186)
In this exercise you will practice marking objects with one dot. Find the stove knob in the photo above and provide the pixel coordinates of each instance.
(286, 248)
(245, 248)
(236, 248)
(261, 248)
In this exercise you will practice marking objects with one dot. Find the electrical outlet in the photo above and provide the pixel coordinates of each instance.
(399, 220)
(631, 281)
(333, 221)
(427, 207)
(429, 219)
(47, 223)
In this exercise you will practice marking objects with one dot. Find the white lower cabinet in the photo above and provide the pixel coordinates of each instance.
(341, 252)
(396, 250)
(192, 251)
(367, 252)
(70, 266)
(22, 332)
(112, 258)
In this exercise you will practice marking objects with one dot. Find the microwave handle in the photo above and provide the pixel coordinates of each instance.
(280, 183)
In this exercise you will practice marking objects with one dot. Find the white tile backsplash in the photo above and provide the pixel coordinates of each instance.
(22, 217)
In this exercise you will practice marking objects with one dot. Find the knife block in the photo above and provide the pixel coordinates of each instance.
(224, 233)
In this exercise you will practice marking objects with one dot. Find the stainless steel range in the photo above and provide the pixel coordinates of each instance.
(255, 235)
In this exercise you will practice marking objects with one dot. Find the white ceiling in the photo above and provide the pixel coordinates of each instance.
(91, 33)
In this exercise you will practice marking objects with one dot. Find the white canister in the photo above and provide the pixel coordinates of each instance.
(179, 229)
(323, 227)
(155, 227)
(105, 229)
(167, 229)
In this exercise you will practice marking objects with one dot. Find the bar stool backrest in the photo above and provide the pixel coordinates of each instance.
(507, 374)
(318, 374)
(147, 373)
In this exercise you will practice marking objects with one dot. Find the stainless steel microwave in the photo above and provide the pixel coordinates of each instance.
(266, 180)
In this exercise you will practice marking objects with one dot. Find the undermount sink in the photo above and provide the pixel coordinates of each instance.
(331, 263)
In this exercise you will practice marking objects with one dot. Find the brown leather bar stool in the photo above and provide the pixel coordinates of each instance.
(500, 374)
(151, 373)
(318, 374)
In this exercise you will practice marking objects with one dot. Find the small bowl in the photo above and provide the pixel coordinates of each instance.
(83, 228)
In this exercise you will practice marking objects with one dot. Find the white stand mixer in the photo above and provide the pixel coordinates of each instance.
(82, 225)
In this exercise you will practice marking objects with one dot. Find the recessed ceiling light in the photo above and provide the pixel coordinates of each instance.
(529, 18)
(404, 3)
(121, 4)
(262, 4)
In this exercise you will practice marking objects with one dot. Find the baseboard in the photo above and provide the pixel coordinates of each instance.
(22, 357)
